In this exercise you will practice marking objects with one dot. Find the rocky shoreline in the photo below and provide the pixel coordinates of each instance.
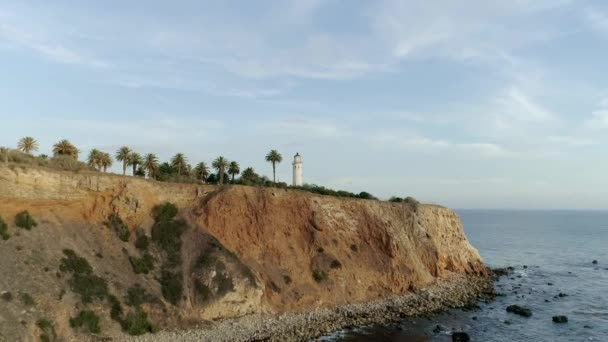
(455, 291)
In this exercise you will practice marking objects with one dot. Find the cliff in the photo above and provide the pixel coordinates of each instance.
(244, 249)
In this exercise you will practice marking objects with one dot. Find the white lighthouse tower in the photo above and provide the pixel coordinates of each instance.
(297, 170)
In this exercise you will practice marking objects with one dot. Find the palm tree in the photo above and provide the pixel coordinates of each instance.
(180, 162)
(65, 148)
(234, 169)
(201, 171)
(95, 159)
(27, 145)
(274, 157)
(105, 160)
(220, 164)
(135, 160)
(123, 155)
(150, 164)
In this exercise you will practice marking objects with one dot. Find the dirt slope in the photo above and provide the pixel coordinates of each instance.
(252, 249)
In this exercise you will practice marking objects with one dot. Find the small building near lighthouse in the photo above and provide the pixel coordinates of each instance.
(297, 170)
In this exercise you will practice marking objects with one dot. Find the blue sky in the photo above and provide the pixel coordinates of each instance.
(471, 104)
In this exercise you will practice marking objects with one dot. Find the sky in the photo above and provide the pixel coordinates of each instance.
(470, 103)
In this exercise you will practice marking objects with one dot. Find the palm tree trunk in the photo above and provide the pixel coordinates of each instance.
(222, 176)
(274, 172)
(233, 178)
(134, 169)
(124, 168)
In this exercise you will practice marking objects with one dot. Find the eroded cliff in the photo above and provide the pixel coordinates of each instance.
(243, 249)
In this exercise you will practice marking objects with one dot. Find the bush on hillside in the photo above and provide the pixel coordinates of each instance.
(4, 230)
(171, 286)
(165, 212)
(47, 330)
(83, 281)
(319, 275)
(137, 323)
(87, 319)
(24, 220)
(118, 226)
(144, 265)
(142, 242)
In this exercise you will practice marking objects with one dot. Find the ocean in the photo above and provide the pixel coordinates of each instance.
(552, 252)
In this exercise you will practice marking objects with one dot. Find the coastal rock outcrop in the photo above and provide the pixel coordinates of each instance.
(243, 250)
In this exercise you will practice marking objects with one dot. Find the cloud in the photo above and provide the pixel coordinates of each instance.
(597, 19)
(478, 149)
(599, 117)
(51, 50)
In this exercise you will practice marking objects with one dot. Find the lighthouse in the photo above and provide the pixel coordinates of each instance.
(297, 170)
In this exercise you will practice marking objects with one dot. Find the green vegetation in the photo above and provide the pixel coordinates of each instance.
(87, 319)
(142, 242)
(83, 281)
(180, 163)
(118, 226)
(122, 155)
(27, 299)
(65, 148)
(115, 308)
(136, 296)
(165, 212)
(27, 145)
(24, 220)
(220, 164)
(150, 164)
(4, 230)
(201, 171)
(137, 323)
(234, 169)
(144, 265)
(319, 275)
(171, 286)
(274, 157)
(409, 200)
(135, 160)
(47, 330)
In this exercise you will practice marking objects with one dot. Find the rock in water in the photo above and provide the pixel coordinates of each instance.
(519, 310)
(460, 336)
(560, 319)
(594, 262)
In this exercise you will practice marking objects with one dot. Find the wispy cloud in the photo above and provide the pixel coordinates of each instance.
(51, 50)
(597, 19)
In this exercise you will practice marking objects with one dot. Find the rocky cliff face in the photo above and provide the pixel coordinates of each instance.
(245, 249)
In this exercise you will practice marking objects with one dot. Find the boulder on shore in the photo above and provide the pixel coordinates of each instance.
(560, 319)
(519, 310)
(460, 336)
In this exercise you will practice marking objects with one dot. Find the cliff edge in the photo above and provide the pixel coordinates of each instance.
(240, 250)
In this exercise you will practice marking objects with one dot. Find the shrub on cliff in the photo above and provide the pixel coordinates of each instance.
(83, 281)
(171, 286)
(142, 242)
(144, 265)
(319, 275)
(165, 212)
(137, 323)
(47, 330)
(87, 319)
(24, 220)
(118, 226)
(4, 230)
